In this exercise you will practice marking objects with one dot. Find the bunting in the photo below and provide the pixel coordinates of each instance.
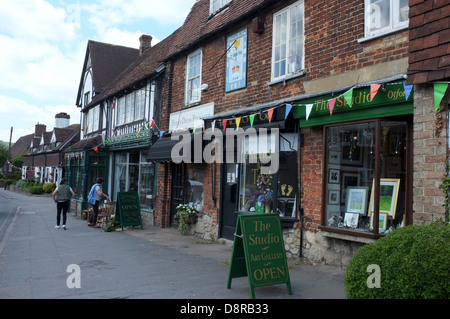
(270, 113)
(238, 122)
(252, 118)
(224, 124)
(439, 91)
(408, 89)
(288, 110)
(331, 105)
(374, 90)
(348, 96)
(308, 110)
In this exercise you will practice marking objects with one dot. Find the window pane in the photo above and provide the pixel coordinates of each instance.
(404, 11)
(350, 174)
(194, 186)
(379, 13)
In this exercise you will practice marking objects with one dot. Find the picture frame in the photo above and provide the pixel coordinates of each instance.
(334, 176)
(389, 188)
(351, 220)
(356, 201)
(349, 178)
(333, 197)
(382, 221)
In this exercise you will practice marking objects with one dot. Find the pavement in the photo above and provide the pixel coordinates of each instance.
(149, 263)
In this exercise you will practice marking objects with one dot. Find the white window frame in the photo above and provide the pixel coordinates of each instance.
(217, 5)
(283, 37)
(394, 18)
(190, 96)
(92, 120)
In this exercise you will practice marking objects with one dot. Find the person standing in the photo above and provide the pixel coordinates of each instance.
(61, 195)
(95, 195)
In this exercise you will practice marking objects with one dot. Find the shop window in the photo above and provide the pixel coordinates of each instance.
(146, 183)
(194, 186)
(362, 160)
(384, 16)
(264, 193)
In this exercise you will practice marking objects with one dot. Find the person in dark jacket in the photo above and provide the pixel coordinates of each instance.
(61, 195)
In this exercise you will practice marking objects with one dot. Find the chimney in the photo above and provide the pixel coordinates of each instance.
(39, 129)
(145, 43)
(62, 120)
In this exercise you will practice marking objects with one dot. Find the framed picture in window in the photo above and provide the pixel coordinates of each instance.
(333, 197)
(334, 176)
(388, 196)
(382, 221)
(356, 201)
(351, 220)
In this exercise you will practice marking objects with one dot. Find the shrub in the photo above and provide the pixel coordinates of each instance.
(414, 263)
(21, 183)
(48, 187)
(35, 189)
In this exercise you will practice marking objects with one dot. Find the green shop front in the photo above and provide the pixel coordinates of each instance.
(356, 167)
(86, 161)
(130, 170)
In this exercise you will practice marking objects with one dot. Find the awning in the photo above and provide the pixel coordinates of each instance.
(161, 150)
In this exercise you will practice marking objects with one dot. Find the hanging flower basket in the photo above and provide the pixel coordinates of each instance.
(186, 215)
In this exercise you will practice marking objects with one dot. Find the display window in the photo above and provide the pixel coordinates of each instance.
(266, 193)
(366, 180)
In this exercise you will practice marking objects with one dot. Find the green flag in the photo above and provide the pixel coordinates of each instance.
(348, 96)
(252, 118)
(439, 92)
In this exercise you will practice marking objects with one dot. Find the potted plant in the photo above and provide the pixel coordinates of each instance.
(185, 216)
(263, 196)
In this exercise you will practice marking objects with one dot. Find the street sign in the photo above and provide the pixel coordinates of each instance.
(258, 252)
(129, 209)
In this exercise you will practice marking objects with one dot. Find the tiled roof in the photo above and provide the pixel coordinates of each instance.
(107, 61)
(429, 35)
(200, 25)
(87, 144)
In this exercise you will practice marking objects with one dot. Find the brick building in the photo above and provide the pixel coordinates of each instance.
(318, 88)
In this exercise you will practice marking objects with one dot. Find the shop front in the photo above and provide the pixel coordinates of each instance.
(259, 167)
(356, 172)
(131, 172)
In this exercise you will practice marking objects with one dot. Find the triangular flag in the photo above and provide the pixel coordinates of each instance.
(161, 133)
(374, 90)
(193, 129)
(224, 124)
(153, 123)
(213, 125)
(331, 105)
(252, 118)
(439, 92)
(408, 89)
(308, 110)
(288, 109)
(348, 96)
(95, 149)
(270, 112)
(238, 122)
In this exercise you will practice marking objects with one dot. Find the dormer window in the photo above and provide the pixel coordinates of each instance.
(217, 5)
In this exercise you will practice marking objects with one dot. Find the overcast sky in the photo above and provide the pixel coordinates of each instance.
(43, 44)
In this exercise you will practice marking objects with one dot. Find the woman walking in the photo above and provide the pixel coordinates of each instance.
(94, 198)
(61, 195)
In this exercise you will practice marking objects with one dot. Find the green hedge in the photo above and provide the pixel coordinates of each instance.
(414, 263)
(48, 187)
(35, 190)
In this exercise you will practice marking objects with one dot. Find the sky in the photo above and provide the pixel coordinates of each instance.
(43, 45)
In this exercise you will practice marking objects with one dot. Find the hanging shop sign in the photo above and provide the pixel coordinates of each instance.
(129, 209)
(371, 101)
(258, 252)
(236, 71)
(141, 134)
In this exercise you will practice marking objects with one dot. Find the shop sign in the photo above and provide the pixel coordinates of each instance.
(258, 252)
(128, 209)
(191, 117)
(236, 71)
(139, 135)
(390, 100)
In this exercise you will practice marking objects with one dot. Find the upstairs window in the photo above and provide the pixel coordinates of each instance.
(193, 77)
(384, 16)
(217, 5)
(288, 41)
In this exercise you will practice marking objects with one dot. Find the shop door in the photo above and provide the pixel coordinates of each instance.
(177, 192)
(229, 196)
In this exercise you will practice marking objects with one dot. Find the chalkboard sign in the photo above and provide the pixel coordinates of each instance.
(129, 209)
(258, 252)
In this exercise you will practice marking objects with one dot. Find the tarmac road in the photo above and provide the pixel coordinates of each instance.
(38, 261)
